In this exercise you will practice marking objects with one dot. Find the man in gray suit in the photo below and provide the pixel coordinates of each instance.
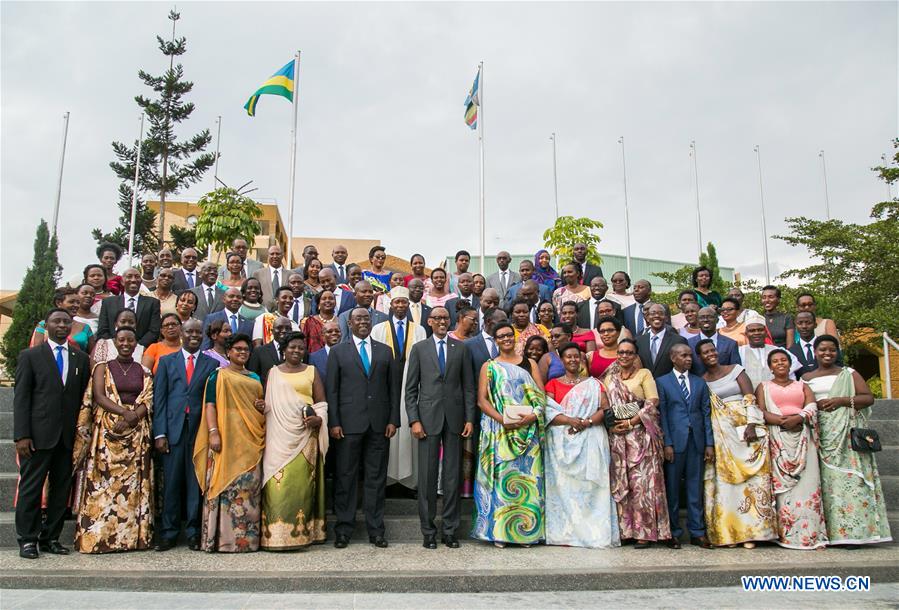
(440, 402)
(250, 265)
(505, 277)
(364, 296)
(210, 297)
(272, 276)
(339, 254)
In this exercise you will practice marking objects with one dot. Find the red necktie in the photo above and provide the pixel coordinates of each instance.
(190, 373)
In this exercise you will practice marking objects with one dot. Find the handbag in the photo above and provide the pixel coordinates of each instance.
(513, 413)
(864, 440)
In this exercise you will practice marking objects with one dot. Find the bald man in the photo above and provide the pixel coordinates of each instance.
(232, 299)
(504, 277)
(145, 308)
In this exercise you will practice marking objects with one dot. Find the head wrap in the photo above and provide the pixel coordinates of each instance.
(545, 275)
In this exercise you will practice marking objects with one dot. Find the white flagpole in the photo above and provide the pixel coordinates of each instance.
(758, 156)
(826, 194)
(215, 173)
(481, 158)
(696, 182)
(62, 160)
(555, 176)
(627, 217)
(293, 157)
(140, 141)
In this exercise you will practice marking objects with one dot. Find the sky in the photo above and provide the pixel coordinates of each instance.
(383, 151)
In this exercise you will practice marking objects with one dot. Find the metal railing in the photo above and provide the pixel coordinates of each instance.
(887, 344)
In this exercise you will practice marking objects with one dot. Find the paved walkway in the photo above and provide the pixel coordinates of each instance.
(881, 596)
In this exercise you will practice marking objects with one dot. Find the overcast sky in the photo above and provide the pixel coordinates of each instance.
(383, 149)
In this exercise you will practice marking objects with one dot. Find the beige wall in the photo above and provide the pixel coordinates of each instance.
(356, 248)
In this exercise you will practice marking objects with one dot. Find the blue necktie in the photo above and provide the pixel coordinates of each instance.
(493, 351)
(683, 387)
(233, 324)
(654, 349)
(296, 310)
(640, 321)
(400, 337)
(60, 364)
(441, 358)
(190, 279)
(363, 353)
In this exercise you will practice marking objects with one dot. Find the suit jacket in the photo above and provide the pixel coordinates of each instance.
(545, 294)
(180, 284)
(494, 281)
(347, 302)
(203, 308)
(591, 271)
(728, 352)
(148, 322)
(343, 320)
(583, 313)
(263, 359)
(333, 267)
(425, 314)
(679, 415)
(357, 401)
(319, 359)
(244, 325)
(478, 354)
(172, 394)
(434, 398)
(252, 266)
(44, 409)
(264, 275)
(662, 365)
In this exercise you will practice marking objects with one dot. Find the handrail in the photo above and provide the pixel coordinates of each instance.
(887, 343)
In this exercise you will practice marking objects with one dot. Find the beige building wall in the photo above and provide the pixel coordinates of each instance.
(357, 249)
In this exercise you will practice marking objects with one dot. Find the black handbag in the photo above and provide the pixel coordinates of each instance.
(864, 440)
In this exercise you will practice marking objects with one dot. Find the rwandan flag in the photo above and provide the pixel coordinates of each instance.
(471, 104)
(280, 83)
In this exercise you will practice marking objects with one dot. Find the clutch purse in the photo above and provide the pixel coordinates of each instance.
(308, 411)
(864, 440)
(626, 410)
(513, 413)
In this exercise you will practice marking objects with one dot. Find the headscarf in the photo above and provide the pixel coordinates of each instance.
(547, 276)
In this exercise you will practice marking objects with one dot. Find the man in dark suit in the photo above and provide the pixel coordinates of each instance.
(728, 350)
(269, 354)
(232, 300)
(464, 285)
(633, 316)
(653, 346)
(339, 255)
(803, 349)
(586, 310)
(526, 272)
(209, 294)
(177, 408)
(685, 410)
(418, 310)
(363, 415)
(482, 347)
(319, 359)
(440, 402)
(145, 308)
(588, 270)
(50, 383)
(302, 303)
(345, 299)
(364, 296)
(187, 277)
(504, 278)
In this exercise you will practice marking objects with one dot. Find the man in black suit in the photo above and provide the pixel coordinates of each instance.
(302, 303)
(269, 354)
(364, 295)
(177, 408)
(339, 255)
(319, 358)
(653, 346)
(464, 286)
(363, 415)
(232, 299)
(50, 383)
(634, 319)
(187, 277)
(344, 298)
(145, 308)
(418, 310)
(803, 349)
(482, 347)
(728, 350)
(586, 310)
(588, 270)
(440, 402)
(209, 293)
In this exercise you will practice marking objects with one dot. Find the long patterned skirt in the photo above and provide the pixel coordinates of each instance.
(638, 486)
(231, 519)
(293, 504)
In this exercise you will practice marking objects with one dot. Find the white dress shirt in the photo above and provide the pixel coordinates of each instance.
(686, 375)
(490, 343)
(368, 342)
(128, 298)
(65, 357)
(592, 306)
(190, 277)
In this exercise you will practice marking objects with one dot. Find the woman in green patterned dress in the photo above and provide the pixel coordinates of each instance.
(293, 465)
(509, 490)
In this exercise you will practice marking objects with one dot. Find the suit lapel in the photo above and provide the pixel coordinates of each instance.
(51, 362)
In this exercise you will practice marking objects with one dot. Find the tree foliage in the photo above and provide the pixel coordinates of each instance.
(227, 214)
(145, 239)
(567, 231)
(184, 237)
(35, 297)
(683, 278)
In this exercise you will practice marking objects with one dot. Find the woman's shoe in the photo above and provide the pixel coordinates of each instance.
(499, 545)
(748, 545)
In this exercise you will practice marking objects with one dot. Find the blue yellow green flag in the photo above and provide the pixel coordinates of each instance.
(471, 104)
(280, 83)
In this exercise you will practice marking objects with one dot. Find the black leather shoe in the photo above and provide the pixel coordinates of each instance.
(29, 551)
(430, 542)
(164, 545)
(672, 543)
(702, 542)
(341, 542)
(193, 543)
(450, 541)
(54, 548)
(378, 541)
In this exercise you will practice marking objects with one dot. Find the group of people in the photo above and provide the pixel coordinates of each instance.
(572, 413)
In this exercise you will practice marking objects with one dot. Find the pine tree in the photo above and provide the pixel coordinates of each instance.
(144, 231)
(35, 297)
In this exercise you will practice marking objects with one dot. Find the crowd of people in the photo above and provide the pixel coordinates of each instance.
(215, 403)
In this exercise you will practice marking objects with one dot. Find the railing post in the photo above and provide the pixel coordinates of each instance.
(886, 366)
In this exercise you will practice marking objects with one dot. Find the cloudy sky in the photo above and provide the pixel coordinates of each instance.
(384, 152)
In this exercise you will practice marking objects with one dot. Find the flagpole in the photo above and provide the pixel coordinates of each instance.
(293, 157)
(555, 176)
(215, 172)
(481, 157)
(696, 181)
(758, 156)
(140, 141)
(826, 194)
(627, 217)
(62, 160)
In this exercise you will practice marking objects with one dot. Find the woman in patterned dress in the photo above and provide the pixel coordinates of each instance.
(112, 455)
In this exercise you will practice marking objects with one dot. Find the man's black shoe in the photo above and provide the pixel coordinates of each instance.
(54, 548)
(29, 551)
(341, 542)
(378, 541)
(450, 541)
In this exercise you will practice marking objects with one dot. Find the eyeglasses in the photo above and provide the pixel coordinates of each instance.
(603, 331)
(722, 309)
(171, 325)
(626, 353)
(505, 336)
(440, 318)
(241, 350)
